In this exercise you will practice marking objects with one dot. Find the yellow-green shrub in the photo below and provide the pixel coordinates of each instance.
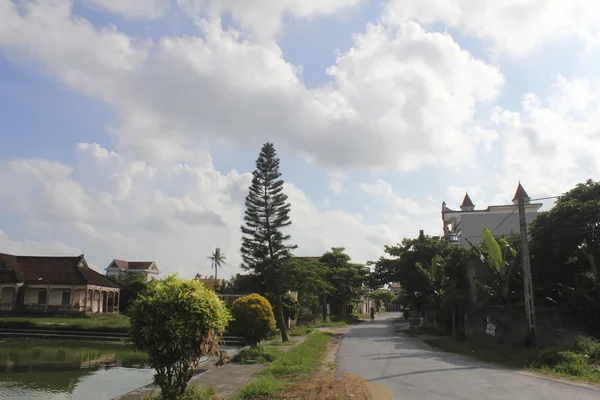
(253, 318)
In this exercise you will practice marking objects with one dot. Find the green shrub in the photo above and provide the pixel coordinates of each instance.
(291, 307)
(588, 346)
(191, 393)
(176, 322)
(563, 361)
(263, 355)
(253, 318)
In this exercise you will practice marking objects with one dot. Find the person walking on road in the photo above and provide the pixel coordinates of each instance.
(372, 314)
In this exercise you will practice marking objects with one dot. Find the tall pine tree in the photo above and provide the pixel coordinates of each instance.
(264, 248)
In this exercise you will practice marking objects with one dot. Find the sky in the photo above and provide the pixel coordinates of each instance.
(129, 129)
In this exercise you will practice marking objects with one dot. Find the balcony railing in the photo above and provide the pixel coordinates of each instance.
(6, 307)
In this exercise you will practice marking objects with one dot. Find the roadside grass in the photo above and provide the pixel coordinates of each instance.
(362, 316)
(581, 362)
(290, 367)
(261, 354)
(191, 393)
(277, 342)
(332, 322)
(104, 322)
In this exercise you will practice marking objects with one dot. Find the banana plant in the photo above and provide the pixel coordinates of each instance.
(437, 278)
(501, 258)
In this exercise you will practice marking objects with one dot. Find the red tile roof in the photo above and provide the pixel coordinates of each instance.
(520, 193)
(467, 201)
(49, 270)
(138, 265)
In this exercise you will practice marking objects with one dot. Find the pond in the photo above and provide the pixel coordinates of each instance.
(75, 370)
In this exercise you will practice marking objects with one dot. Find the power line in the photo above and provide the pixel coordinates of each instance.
(504, 220)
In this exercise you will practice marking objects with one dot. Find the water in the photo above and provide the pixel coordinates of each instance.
(32, 369)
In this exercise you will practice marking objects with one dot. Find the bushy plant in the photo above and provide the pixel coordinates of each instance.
(253, 318)
(176, 322)
(291, 307)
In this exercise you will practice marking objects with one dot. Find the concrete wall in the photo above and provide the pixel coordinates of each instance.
(473, 223)
(503, 326)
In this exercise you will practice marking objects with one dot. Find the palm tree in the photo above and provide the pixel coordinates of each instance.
(217, 259)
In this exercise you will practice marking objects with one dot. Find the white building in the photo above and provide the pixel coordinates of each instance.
(118, 267)
(500, 219)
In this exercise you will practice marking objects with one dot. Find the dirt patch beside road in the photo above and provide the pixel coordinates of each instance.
(330, 384)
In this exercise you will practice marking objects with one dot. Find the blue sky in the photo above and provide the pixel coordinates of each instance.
(396, 154)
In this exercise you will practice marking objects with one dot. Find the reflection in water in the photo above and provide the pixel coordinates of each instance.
(38, 369)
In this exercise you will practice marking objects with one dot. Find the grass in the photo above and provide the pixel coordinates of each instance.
(262, 354)
(332, 322)
(582, 362)
(105, 322)
(362, 316)
(191, 393)
(277, 342)
(290, 367)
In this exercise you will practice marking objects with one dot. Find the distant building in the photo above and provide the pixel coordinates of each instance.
(54, 285)
(118, 267)
(500, 219)
(395, 288)
(209, 281)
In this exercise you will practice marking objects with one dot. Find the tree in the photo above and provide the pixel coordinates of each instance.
(382, 296)
(131, 285)
(217, 258)
(346, 279)
(252, 318)
(176, 322)
(264, 249)
(565, 249)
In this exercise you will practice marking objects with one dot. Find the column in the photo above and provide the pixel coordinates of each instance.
(47, 297)
(72, 298)
(117, 299)
(1, 289)
(85, 301)
(106, 302)
(99, 301)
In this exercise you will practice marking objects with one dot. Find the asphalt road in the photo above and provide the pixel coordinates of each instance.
(413, 371)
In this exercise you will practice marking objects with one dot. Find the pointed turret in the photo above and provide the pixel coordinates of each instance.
(467, 204)
(521, 193)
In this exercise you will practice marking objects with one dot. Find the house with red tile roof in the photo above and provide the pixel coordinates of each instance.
(54, 285)
(118, 267)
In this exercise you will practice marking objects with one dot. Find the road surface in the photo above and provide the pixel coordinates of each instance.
(414, 371)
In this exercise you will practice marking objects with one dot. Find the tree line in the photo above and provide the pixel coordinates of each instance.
(564, 251)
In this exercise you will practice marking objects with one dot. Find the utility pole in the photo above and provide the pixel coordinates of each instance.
(528, 286)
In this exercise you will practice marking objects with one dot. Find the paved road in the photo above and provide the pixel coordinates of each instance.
(415, 372)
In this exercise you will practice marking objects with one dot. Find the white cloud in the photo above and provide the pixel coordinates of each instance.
(176, 215)
(145, 9)
(264, 17)
(551, 144)
(407, 95)
(516, 27)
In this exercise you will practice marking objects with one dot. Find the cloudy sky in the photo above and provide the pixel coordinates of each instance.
(129, 128)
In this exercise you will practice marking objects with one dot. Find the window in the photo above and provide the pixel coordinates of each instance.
(42, 296)
(66, 297)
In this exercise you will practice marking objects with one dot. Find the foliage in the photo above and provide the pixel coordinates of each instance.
(382, 296)
(252, 318)
(93, 322)
(176, 322)
(346, 279)
(565, 249)
(264, 249)
(191, 393)
(130, 286)
(291, 307)
(217, 259)
(500, 259)
(290, 367)
(569, 363)
(262, 354)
